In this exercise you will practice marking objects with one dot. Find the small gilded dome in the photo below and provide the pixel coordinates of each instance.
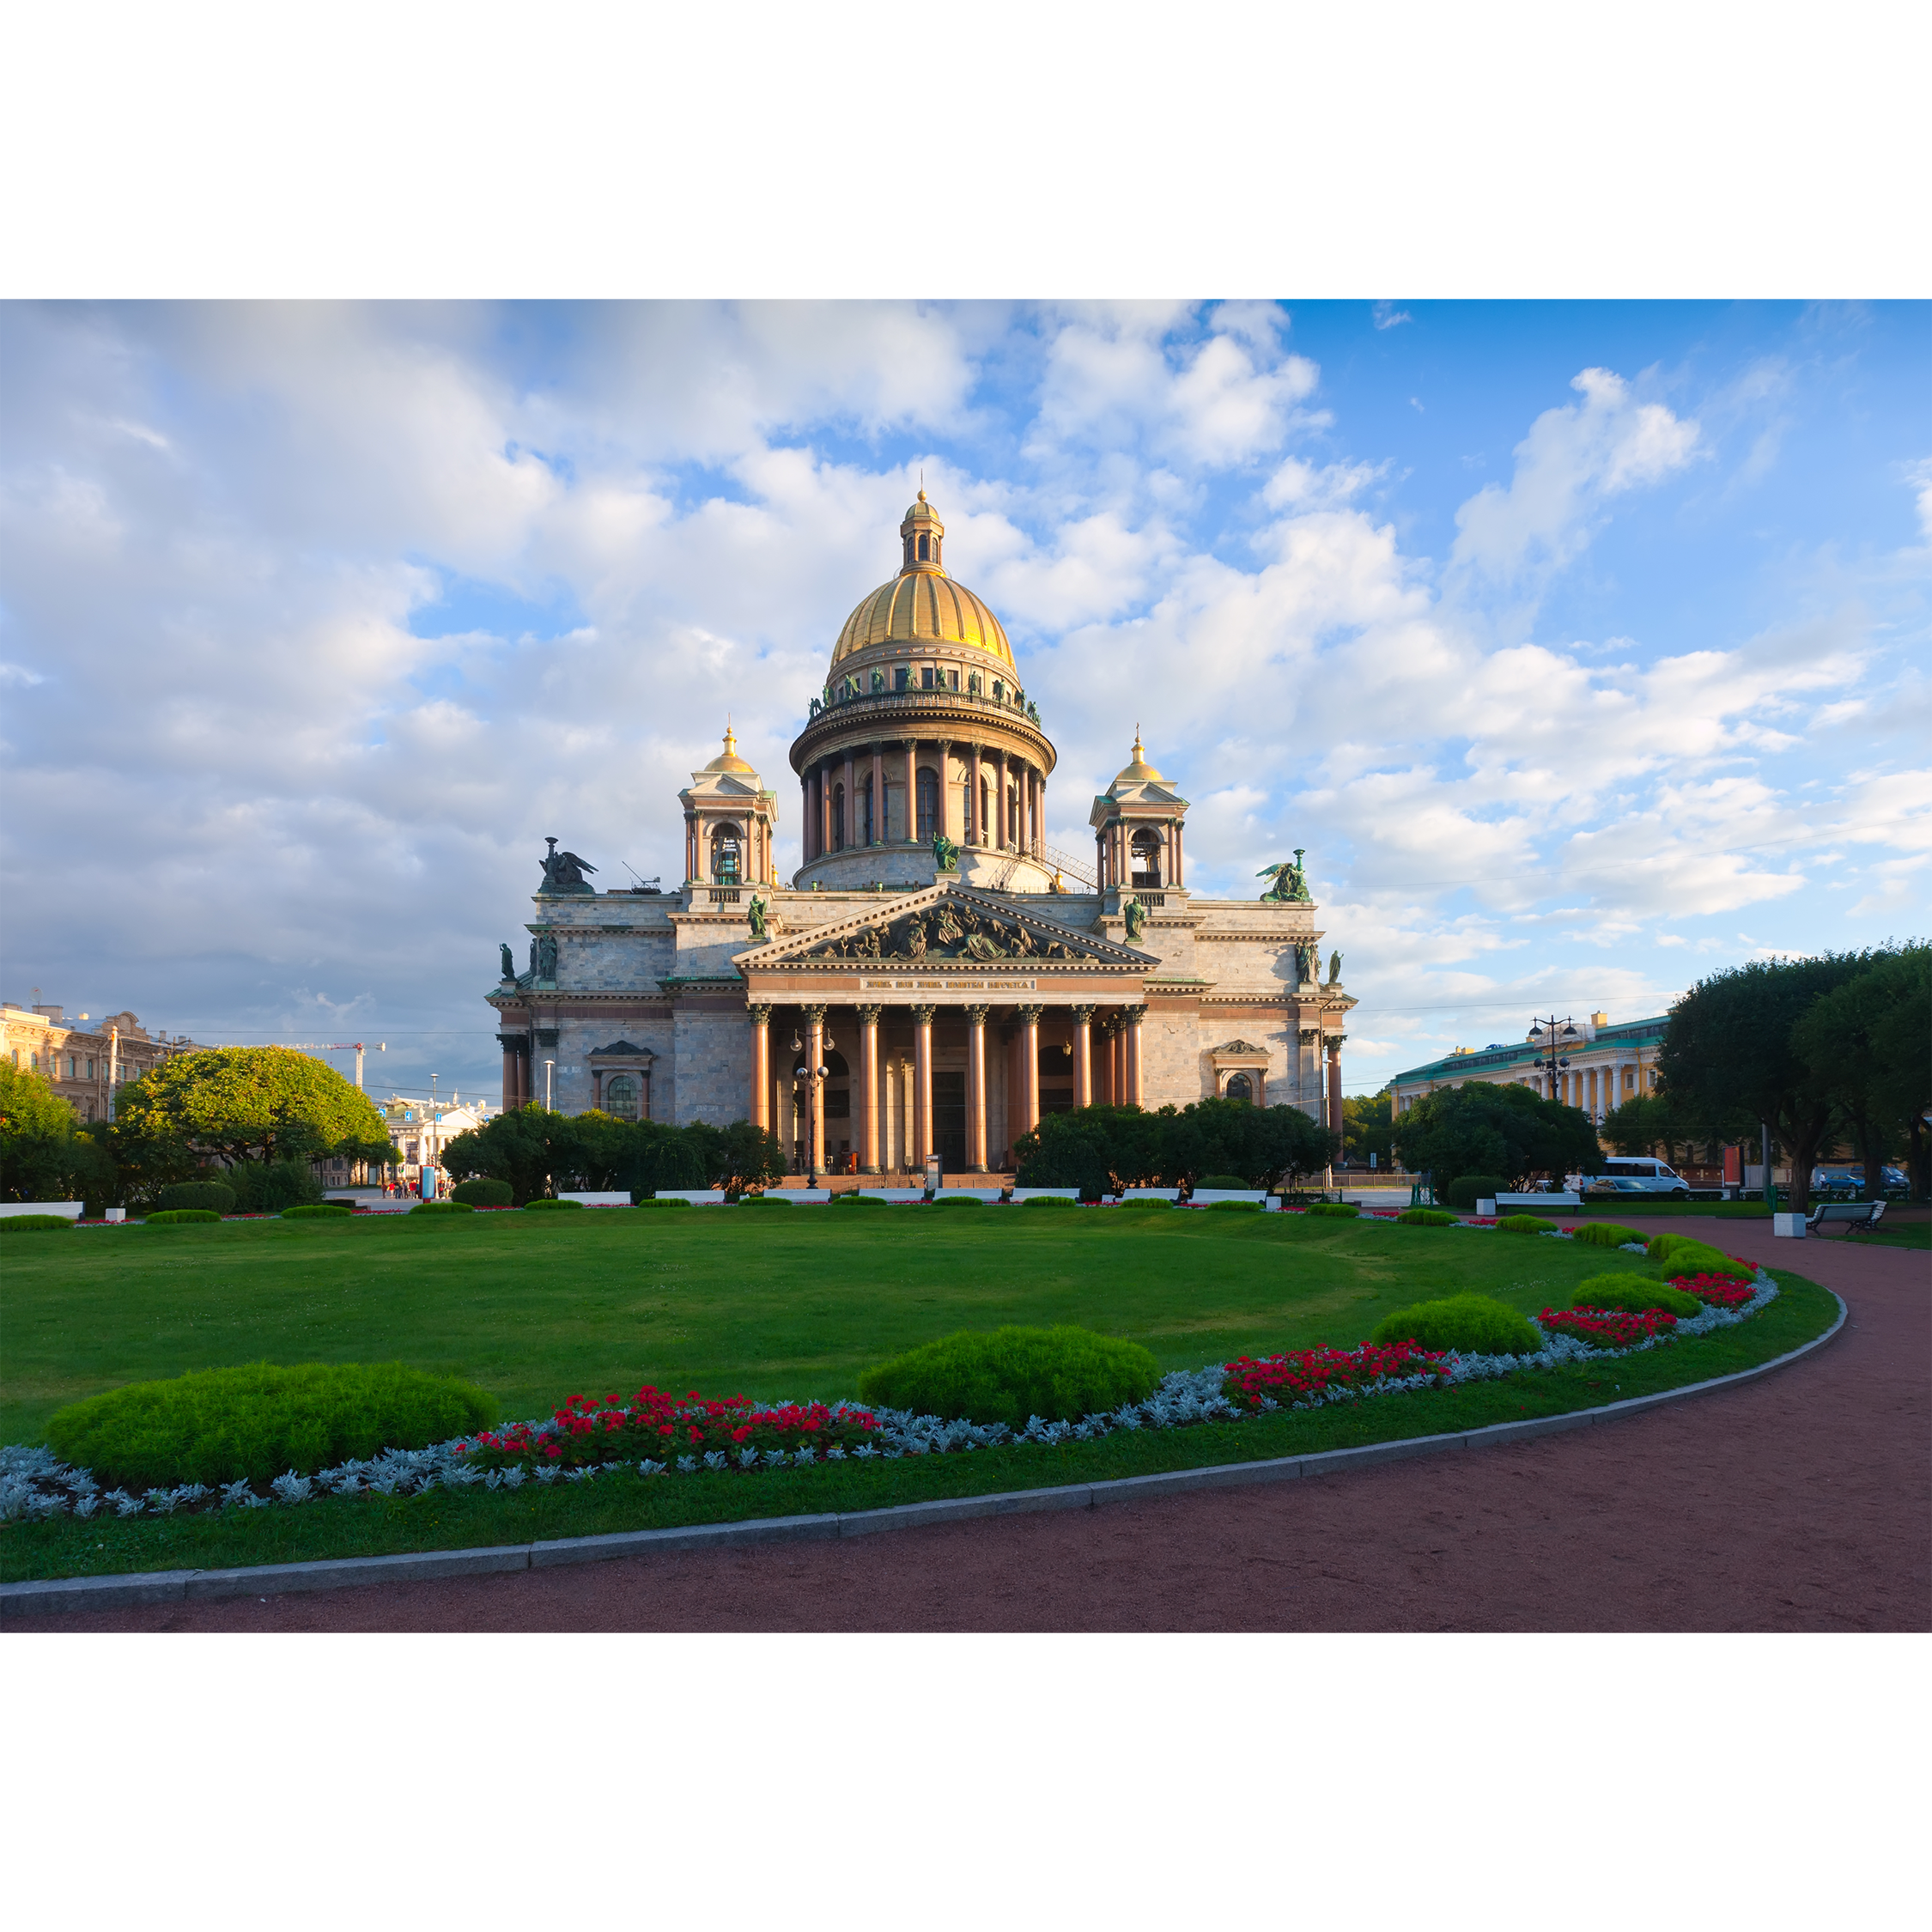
(922, 604)
(728, 759)
(1139, 772)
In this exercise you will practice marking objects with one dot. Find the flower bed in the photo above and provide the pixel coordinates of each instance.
(1715, 1291)
(1258, 1384)
(1606, 1328)
(592, 1437)
(586, 1432)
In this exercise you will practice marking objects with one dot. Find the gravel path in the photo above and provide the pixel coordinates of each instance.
(1801, 1501)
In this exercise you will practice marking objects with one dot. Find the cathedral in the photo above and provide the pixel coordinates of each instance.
(934, 976)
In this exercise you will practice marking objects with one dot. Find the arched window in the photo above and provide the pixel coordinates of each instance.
(928, 806)
(728, 856)
(1146, 856)
(1240, 1087)
(925, 550)
(620, 1096)
(866, 837)
(838, 818)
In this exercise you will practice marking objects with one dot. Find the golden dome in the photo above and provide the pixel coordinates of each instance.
(922, 604)
(1139, 772)
(728, 759)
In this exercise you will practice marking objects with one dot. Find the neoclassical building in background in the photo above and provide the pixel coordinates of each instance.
(934, 976)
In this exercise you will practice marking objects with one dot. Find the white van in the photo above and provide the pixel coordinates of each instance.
(1637, 1174)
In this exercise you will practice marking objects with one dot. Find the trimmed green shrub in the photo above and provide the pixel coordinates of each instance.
(543, 1201)
(216, 1194)
(36, 1224)
(443, 1208)
(1232, 1207)
(1467, 1190)
(1470, 1324)
(1011, 1375)
(1050, 1201)
(670, 1200)
(956, 1199)
(1605, 1234)
(1426, 1218)
(858, 1197)
(483, 1192)
(179, 1217)
(224, 1426)
(1682, 1254)
(1336, 1210)
(1633, 1293)
(1232, 1182)
(1145, 1203)
(1526, 1224)
(328, 1210)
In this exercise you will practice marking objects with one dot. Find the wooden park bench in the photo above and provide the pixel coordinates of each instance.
(1855, 1214)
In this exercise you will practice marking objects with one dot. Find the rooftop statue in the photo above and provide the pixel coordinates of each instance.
(1307, 963)
(1136, 916)
(563, 871)
(946, 854)
(1291, 880)
(756, 914)
(509, 960)
(1334, 968)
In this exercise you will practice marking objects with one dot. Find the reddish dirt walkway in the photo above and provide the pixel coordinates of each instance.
(1800, 1501)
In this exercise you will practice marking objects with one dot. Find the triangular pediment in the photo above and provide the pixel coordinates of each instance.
(949, 922)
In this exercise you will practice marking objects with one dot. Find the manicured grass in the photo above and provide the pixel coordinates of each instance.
(1616, 1207)
(785, 1304)
(371, 1525)
(1892, 1234)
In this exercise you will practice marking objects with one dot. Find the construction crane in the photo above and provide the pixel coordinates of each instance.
(334, 1047)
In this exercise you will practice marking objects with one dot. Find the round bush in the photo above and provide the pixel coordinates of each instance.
(180, 1217)
(1469, 1324)
(1230, 1183)
(216, 1194)
(1145, 1203)
(330, 1209)
(1526, 1224)
(857, 1197)
(1050, 1201)
(1426, 1218)
(224, 1426)
(956, 1199)
(544, 1202)
(1011, 1375)
(35, 1224)
(1469, 1188)
(1633, 1294)
(485, 1191)
(444, 1207)
(1681, 1254)
(1605, 1234)
(652, 1200)
(1336, 1210)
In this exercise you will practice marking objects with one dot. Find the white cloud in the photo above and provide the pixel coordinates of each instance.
(1574, 458)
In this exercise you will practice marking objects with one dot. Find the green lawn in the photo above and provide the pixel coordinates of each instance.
(373, 1525)
(769, 1303)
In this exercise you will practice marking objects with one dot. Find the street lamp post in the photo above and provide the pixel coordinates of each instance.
(1553, 1060)
(548, 1065)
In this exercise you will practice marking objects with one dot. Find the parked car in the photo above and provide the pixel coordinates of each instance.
(1620, 1184)
(1847, 1183)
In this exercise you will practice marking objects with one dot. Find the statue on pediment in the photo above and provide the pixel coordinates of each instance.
(509, 960)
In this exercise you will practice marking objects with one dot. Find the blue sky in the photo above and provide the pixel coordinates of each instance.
(1582, 645)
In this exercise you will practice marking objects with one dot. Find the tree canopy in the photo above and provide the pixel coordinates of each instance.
(254, 1103)
(1480, 1127)
(43, 1157)
(1368, 1128)
(1101, 1149)
(535, 1151)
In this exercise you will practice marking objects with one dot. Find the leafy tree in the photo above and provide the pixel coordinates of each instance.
(42, 1156)
(1101, 1149)
(1728, 1051)
(528, 1146)
(1480, 1127)
(1867, 1047)
(254, 1103)
(744, 1157)
(1368, 1128)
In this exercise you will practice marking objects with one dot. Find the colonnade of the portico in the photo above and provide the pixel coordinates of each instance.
(999, 801)
(891, 1078)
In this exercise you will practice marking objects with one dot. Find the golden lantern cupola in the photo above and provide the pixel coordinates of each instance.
(922, 533)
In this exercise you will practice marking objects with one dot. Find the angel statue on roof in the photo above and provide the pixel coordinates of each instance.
(1290, 879)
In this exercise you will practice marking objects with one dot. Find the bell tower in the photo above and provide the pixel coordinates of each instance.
(730, 824)
(1137, 829)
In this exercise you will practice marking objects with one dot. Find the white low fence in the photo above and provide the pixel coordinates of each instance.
(608, 1197)
(71, 1209)
(1046, 1194)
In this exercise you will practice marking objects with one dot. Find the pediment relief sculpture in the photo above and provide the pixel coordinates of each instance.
(947, 932)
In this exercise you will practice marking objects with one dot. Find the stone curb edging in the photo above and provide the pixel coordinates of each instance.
(188, 1585)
